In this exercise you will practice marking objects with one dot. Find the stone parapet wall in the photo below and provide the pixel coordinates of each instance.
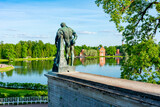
(67, 91)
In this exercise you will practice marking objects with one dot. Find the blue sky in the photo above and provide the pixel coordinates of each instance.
(40, 19)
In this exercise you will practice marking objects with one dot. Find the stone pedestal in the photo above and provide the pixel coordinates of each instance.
(60, 64)
(66, 69)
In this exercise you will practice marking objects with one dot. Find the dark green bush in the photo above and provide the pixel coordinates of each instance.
(15, 85)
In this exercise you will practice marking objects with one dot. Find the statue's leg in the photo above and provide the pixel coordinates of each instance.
(72, 55)
(67, 54)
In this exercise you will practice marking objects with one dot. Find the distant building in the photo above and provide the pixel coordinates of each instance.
(117, 52)
(102, 51)
(82, 53)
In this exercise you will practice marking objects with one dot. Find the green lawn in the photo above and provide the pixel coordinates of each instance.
(4, 92)
(3, 60)
(5, 69)
(30, 59)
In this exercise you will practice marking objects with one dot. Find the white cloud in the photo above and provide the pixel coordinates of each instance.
(118, 34)
(86, 32)
(13, 30)
(112, 32)
(107, 31)
(23, 35)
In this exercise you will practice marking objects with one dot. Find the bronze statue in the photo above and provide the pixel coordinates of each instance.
(69, 36)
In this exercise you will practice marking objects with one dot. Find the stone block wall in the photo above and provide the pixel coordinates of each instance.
(63, 94)
(68, 91)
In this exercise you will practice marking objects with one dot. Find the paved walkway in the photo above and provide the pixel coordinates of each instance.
(27, 105)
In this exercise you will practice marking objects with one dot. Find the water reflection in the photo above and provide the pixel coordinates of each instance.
(102, 61)
(33, 71)
(27, 71)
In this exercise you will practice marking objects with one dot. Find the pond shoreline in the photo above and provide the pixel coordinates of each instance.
(27, 59)
(5, 68)
(50, 58)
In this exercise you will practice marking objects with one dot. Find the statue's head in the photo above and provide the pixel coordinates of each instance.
(63, 24)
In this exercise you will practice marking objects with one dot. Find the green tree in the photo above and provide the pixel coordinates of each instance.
(40, 44)
(90, 52)
(53, 50)
(23, 49)
(47, 49)
(142, 24)
(2, 45)
(100, 46)
(111, 50)
(143, 64)
(36, 50)
(0, 52)
(77, 50)
(18, 50)
(29, 49)
(9, 52)
(84, 47)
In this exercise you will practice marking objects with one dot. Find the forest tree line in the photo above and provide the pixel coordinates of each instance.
(38, 49)
(23, 49)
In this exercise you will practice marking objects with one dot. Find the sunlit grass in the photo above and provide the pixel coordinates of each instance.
(30, 59)
(21, 92)
(5, 69)
(3, 60)
(27, 59)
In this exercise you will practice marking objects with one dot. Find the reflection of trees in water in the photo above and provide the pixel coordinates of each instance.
(9, 73)
(132, 71)
(32, 67)
(113, 61)
(91, 61)
(2, 75)
(77, 61)
(108, 61)
(85, 61)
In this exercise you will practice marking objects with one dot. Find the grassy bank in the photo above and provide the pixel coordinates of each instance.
(26, 59)
(4, 92)
(3, 60)
(5, 69)
(30, 59)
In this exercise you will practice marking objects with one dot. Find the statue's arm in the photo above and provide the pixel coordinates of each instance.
(58, 34)
(75, 37)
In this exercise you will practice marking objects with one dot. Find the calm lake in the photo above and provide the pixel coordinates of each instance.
(33, 71)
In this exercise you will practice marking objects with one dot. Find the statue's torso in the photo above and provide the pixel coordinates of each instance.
(67, 34)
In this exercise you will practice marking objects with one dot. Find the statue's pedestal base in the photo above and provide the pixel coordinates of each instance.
(65, 69)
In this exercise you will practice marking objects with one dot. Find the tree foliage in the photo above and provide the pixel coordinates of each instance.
(91, 52)
(111, 50)
(25, 49)
(143, 64)
(138, 14)
(9, 52)
(139, 20)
